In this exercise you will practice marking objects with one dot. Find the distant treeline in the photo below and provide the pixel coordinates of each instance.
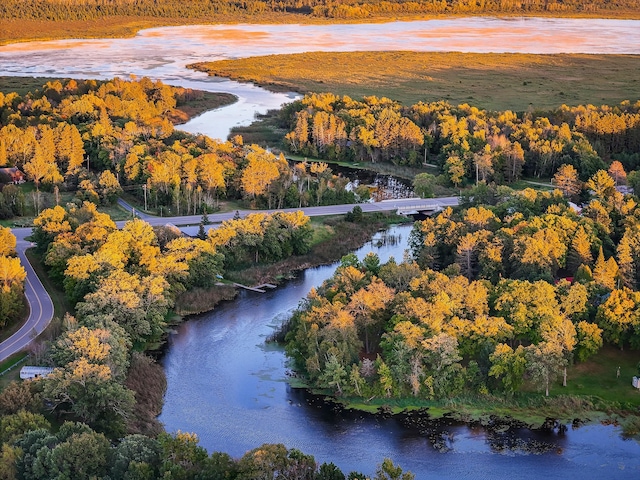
(91, 9)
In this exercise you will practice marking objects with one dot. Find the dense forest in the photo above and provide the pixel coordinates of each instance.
(99, 138)
(468, 144)
(503, 294)
(59, 10)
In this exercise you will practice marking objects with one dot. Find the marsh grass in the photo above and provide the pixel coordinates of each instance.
(518, 82)
(199, 300)
(332, 240)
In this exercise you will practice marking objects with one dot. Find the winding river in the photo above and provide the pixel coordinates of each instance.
(224, 383)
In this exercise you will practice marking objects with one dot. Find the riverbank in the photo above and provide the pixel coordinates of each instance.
(333, 238)
(530, 411)
(613, 401)
(30, 30)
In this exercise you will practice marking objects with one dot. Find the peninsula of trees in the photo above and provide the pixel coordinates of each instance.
(492, 296)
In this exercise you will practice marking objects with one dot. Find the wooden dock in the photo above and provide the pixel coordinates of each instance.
(259, 288)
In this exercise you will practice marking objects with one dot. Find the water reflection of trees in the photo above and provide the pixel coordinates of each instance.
(501, 437)
(384, 239)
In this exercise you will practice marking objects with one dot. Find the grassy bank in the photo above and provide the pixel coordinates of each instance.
(491, 81)
(333, 239)
(200, 300)
(594, 393)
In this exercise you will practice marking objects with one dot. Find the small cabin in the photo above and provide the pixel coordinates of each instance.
(11, 175)
(29, 372)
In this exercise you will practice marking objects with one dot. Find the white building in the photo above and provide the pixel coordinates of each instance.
(28, 372)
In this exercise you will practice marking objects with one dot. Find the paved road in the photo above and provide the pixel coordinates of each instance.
(129, 208)
(41, 306)
(384, 206)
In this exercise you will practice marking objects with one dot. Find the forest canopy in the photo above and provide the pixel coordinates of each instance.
(493, 297)
(467, 143)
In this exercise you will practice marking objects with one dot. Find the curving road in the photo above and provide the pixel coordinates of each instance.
(41, 305)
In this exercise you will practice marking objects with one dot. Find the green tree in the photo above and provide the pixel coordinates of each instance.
(544, 362)
(271, 461)
(508, 366)
(136, 457)
(15, 425)
(82, 456)
(423, 184)
(182, 458)
(388, 471)
(334, 374)
(328, 471)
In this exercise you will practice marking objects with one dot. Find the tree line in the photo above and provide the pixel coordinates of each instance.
(492, 298)
(58, 10)
(468, 144)
(33, 450)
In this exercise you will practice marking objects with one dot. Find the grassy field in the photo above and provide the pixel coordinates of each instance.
(14, 362)
(599, 377)
(22, 85)
(492, 81)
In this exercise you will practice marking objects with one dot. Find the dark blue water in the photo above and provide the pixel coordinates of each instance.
(230, 388)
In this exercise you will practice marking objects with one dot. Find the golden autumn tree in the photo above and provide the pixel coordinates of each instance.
(261, 170)
(616, 171)
(366, 304)
(566, 179)
(7, 242)
(12, 273)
